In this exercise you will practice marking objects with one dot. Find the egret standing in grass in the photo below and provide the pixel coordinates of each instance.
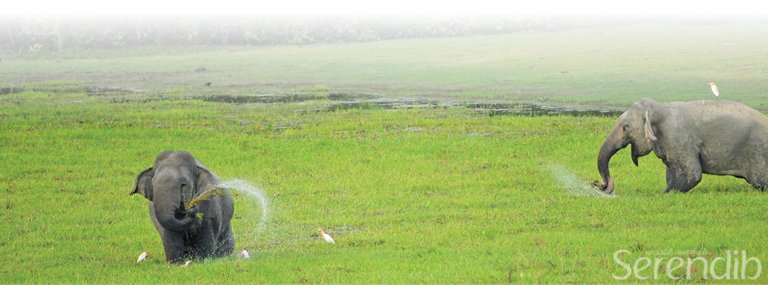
(244, 254)
(326, 237)
(714, 89)
(143, 256)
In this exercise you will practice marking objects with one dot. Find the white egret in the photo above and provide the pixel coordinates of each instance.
(143, 256)
(714, 89)
(326, 237)
(244, 254)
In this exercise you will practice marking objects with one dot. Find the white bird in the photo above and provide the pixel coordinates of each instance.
(714, 89)
(187, 263)
(143, 256)
(326, 237)
(244, 254)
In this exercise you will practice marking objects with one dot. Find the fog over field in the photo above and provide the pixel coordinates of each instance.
(30, 33)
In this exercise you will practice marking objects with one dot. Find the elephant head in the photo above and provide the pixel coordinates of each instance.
(637, 126)
(174, 180)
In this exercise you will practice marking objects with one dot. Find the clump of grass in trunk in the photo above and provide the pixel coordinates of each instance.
(207, 194)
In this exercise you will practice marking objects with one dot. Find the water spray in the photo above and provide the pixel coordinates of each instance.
(249, 190)
(575, 186)
(240, 187)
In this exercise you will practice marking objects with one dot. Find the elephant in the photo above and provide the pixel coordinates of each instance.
(718, 137)
(201, 232)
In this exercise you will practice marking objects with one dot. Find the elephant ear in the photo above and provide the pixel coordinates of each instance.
(143, 184)
(205, 179)
(649, 135)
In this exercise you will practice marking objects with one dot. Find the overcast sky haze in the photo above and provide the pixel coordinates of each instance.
(389, 7)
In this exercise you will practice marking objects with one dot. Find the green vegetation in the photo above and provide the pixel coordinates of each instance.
(439, 195)
(208, 194)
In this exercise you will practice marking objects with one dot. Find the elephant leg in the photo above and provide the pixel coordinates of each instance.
(756, 173)
(206, 242)
(758, 180)
(226, 243)
(175, 250)
(683, 176)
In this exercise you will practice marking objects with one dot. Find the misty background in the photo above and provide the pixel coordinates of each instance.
(31, 34)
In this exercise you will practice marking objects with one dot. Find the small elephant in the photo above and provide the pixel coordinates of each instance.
(715, 137)
(203, 231)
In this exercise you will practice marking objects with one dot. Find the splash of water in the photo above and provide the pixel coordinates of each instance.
(575, 186)
(252, 192)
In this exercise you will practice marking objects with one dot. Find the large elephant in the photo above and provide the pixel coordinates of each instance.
(203, 231)
(714, 137)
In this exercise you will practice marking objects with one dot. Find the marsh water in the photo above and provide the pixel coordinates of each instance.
(335, 101)
(365, 101)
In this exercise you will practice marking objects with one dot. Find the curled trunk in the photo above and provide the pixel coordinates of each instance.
(173, 219)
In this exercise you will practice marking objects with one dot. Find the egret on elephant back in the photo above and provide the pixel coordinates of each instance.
(711, 136)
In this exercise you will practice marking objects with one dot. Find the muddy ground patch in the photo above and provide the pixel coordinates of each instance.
(260, 98)
(488, 108)
(10, 90)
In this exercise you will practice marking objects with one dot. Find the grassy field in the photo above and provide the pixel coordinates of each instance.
(607, 65)
(411, 195)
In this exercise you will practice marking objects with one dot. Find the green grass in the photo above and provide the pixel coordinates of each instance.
(411, 196)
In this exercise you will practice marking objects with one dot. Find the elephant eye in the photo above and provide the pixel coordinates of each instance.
(624, 128)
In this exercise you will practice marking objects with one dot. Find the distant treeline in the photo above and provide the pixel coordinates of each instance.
(59, 33)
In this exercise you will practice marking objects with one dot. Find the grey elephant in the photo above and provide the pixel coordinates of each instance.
(201, 232)
(714, 137)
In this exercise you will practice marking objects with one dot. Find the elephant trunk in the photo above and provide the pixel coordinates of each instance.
(173, 217)
(612, 144)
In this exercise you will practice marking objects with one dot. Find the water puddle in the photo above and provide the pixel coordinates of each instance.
(73, 88)
(260, 98)
(388, 104)
(109, 91)
(339, 101)
(541, 109)
(488, 108)
(10, 90)
(352, 96)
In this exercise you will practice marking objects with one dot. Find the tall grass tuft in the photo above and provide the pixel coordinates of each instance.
(207, 194)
